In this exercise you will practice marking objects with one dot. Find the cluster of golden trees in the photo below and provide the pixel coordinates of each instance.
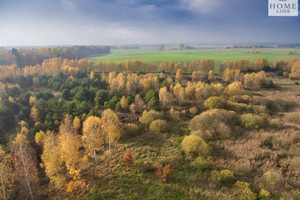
(256, 80)
(205, 65)
(50, 66)
(193, 91)
(130, 83)
(61, 153)
(129, 66)
(9, 71)
(199, 69)
(295, 71)
(252, 81)
(55, 65)
(245, 65)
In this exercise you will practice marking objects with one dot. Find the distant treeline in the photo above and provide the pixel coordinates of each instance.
(234, 46)
(25, 57)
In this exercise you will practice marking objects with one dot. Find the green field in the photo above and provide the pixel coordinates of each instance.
(219, 55)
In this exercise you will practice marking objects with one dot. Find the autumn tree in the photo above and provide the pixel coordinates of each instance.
(178, 74)
(32, 100)
(77, 123)
(111, 126)
(295, 70)
(234, 88)
(34, 114)
(211, 76)
(127, 160)
(165, 97)
(69, 143)
(52, 159)
(93, 137)
(24, 162)
(124, 103)
(6, 174)
(139, 104)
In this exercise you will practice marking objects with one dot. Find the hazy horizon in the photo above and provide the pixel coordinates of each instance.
(143, 22)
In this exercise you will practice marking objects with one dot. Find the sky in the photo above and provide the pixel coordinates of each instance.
(122, 22)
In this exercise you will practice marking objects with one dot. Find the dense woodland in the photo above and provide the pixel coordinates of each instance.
(75, 129)
(25, 57)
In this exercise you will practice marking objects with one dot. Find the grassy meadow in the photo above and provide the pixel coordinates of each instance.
(219, 55)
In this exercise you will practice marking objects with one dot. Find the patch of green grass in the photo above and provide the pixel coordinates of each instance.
(219, 55)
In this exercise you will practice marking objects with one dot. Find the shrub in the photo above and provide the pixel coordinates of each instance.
(295, 163)
(264, 195)
(149, 95)
(193, 110)
(259, 109)
(243, 192)
(214, 103)
(201, 163)
(215, 122)
(158, 126)
(194, 145)
(275, 123)
(130, 129)
(234, 88)
(293, 117)
(275, 105)
(238, 107)
(205, 135)
(175, 115)
(273, 178)
(153, 103)
(251, 122)
(224, 177)
(150, 116)
(127, 160)
(165, 172)
(118, 107)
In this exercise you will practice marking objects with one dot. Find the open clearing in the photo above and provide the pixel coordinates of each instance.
(219, 55)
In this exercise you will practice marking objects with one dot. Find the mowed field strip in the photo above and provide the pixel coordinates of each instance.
(219, 55)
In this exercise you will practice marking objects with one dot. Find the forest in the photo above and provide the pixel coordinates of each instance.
(73, 128)
(25, 57)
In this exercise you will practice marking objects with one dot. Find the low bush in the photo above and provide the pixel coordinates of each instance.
(275, 123)
(193, 110)
(130, 129)
(214, 103)
(224, 177)
(205, 135)
(158, 126)
(275, 105)
(238, 107)
(165, 172)
(194, 145)
(175, 115)
(243, 192)
(251, 122)
(201, 163)
(150, 116)
(293, 117)
(127, 160)
(215, 122)
(264, 194)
